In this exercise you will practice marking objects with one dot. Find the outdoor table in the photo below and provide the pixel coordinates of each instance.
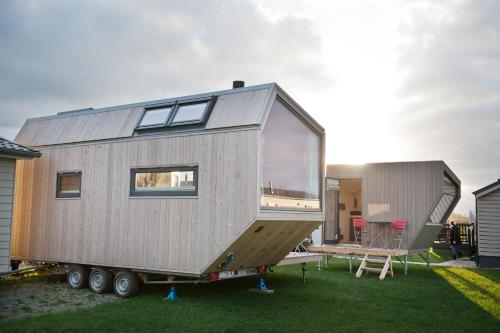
(378, 233)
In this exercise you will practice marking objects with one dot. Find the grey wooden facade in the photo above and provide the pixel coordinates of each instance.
(488, 225)
(175, 235)
(423, 193)
(7, 172)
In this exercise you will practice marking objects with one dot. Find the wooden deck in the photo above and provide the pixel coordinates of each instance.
(351, 249)
(300, 258)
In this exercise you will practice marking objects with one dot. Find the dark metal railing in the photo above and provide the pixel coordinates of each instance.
(467, 236)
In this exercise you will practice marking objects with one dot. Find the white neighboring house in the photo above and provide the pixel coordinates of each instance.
(488, 225)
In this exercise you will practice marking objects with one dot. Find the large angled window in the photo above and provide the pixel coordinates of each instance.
(445, 202)
(291, 162)
(171, 181)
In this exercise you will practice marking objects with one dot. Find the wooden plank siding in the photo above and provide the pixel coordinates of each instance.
(407, 190)
(107, 227)
(265, 247)
(488, 224)
(7, 173)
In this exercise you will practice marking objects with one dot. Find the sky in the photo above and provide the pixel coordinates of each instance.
(388, 80)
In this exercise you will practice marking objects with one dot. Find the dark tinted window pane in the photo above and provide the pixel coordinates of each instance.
(291, 162)
(155, 117)
(191, 112)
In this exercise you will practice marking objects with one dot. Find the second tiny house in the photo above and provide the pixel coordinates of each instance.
(422, 193)
(188, 186)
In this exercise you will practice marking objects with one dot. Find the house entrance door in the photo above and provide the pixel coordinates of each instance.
(331, 225)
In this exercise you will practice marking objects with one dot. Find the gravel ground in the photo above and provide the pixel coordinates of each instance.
(35, 296)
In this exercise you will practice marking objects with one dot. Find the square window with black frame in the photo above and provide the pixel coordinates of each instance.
(69, 185)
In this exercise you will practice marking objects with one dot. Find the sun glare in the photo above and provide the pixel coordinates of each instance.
(478, 288)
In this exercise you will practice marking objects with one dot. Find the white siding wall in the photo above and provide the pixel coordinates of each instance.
(7, 170)
(488, 218)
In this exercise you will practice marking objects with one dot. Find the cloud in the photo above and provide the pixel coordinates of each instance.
(452, 106)
(60, 55)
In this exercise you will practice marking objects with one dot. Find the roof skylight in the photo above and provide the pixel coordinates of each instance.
(155, 117)
(185, 113)
(190, 113)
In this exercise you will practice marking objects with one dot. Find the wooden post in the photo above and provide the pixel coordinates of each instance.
(406, 264)
(362, 266)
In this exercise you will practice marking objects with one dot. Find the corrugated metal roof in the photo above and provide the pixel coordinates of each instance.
(234, 108)
(240, 107)
(487, 189)
(13, 149)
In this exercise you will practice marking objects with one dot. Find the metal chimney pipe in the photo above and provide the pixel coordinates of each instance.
(238, 84)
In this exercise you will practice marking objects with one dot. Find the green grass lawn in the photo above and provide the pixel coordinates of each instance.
(426, 300)
(434, 256)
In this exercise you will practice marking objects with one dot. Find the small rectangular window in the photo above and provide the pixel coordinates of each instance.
(155, 117)
(171, 181)
(69, 185)
(190, 113)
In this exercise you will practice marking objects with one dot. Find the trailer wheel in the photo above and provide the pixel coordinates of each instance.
(100, 281)
(126, 284)
(78, 277)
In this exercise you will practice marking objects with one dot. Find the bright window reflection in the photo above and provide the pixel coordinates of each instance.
(190, 113)
(155, 117)
(164, 181)
(291, 162)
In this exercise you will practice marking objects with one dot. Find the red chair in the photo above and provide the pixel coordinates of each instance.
(360, 228)
(397, 232)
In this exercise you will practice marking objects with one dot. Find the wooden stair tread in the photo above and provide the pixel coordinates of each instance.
(373, 269)
(376, 261)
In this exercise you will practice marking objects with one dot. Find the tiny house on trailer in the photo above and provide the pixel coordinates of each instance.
(9, 153)
(422, 193)
(488, 225)
(195, 188)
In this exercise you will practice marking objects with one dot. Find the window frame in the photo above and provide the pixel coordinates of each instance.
(169, 123)
(321, 164)
(146, 110)
(163, 193)
(59, 193)
(202, 120)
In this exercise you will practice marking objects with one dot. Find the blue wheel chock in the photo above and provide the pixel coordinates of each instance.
(172, 295)
(262, 285)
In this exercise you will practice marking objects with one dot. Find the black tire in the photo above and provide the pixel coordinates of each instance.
(126, 284)
(78, 277)
(100, 281)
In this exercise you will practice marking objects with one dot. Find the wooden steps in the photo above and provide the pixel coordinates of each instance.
(373, 269)
(375, 261)
(387, 268)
